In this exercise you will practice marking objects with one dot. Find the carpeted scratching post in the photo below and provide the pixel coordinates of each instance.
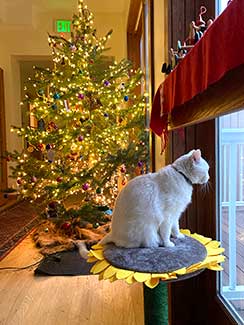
(156, 304)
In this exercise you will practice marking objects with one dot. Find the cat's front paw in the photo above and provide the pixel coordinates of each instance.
(169, 244)
(180, 236)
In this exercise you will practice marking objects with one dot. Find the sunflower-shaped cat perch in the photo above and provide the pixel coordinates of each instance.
(145, 243)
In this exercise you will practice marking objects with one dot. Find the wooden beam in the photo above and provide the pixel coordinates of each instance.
(133, 18)
(224, 97)
(3, 163)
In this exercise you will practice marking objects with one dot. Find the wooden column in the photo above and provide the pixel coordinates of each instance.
(3, 164)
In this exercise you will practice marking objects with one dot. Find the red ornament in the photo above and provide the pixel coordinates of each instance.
(91, 61)
(59, 179)
(66, 226)
(19, 181)
(41, 146)
(123, 169)
(8, 158)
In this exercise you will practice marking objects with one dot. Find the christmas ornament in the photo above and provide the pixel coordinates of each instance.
(41, 92)
(96, 225)
(46, 229)
(56, 96)
(105, 115)
(8, 158)
(66, 105)
(85, 186)
(53, 205)
(33, 179)
(126, 98)
(91, 61)
(41, 125)
(80, 138)
(19, 181)
(41, 146)
(30, 148)
(59, 179)
(81, 96)
(140, 164)
(106, 83)
(73, 48)
(48, 146)
(50, 155)
(54, 106)
(123, 169)
(98, 190)
(66, 226)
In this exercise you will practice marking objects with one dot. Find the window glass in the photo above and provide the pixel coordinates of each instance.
(221, 5)
(231, 210)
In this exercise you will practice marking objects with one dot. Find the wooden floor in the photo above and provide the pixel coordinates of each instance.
(29, 300)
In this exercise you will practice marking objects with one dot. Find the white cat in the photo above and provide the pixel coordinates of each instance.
(148, 209)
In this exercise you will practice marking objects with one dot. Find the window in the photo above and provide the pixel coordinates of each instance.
(221, 5)
(231, 211)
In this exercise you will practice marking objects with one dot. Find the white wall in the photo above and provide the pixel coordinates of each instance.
(25, 38)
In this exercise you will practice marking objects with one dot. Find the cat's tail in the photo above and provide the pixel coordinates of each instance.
(83, 251)
(107, 239)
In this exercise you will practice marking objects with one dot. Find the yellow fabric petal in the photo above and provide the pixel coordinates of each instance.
(193, 267)
(215, 267)
(181, 271)
(97, 246)
(215, 251)
(91, 259)
(142, 277)
(201, 239)
(100, 276)
(130, 279)
(109, 272)
(152, 283)
(113, 278)
(213, 244)
(171, 276)
(99, 266)
(98, 254)
(185, 232)
(123, 274)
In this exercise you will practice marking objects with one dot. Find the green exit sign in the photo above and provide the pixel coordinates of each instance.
(63, 26)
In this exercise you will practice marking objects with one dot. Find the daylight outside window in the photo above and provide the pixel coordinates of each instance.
(231, 210)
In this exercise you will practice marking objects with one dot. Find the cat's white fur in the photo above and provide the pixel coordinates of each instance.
(148, 209)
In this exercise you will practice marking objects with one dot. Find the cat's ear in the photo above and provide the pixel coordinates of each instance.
(196, 155)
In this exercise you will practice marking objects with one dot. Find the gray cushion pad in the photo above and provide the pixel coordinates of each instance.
(186, 252)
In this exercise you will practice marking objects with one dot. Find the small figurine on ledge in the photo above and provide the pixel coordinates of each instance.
(196, 30)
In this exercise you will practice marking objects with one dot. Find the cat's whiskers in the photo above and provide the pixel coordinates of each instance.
(205, 188)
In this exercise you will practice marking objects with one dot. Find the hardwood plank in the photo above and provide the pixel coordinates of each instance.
(29, 300)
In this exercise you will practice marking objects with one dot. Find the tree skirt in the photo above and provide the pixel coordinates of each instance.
(190, 256)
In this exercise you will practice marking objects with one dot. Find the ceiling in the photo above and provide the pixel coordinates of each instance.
(18, 12)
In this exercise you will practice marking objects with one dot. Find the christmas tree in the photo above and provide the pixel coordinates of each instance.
(90, 135)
